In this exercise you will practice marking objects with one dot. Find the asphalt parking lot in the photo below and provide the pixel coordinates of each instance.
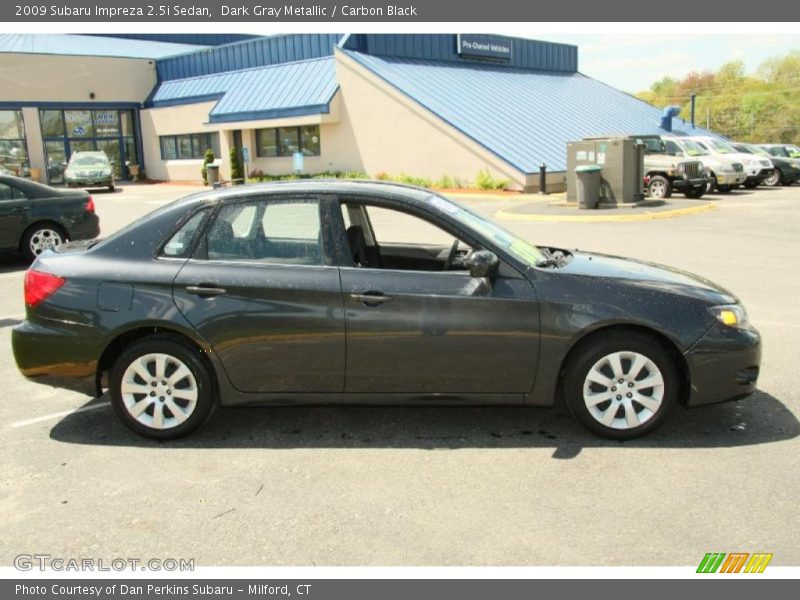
(432, 486)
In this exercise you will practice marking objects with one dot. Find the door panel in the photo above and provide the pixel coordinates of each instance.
(275, 328)
(445, 333)
(14, 214)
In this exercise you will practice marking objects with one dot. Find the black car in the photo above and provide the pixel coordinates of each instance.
(785, 172)
(35, 217)
(364, 292)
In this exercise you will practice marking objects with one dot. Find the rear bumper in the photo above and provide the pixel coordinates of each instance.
(59, 356)
(85, 229)
(723, 365)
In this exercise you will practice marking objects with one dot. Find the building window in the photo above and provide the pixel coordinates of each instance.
(13, 149)
(192, 145)
(285, 141)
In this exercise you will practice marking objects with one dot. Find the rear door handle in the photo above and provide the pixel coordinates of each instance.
(205, 290)
(371, 298)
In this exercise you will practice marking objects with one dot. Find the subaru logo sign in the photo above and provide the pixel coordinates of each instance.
(79, 131)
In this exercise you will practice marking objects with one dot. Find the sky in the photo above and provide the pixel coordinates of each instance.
(633, 62)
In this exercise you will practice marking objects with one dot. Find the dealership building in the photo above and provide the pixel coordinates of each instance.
(426, 105)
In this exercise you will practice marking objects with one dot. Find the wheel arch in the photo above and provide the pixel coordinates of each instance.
(587, 337)
(125, 338)
(55, 223)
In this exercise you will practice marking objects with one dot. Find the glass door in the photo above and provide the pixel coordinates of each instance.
(55, 157)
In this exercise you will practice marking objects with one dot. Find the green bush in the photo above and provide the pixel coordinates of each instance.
(208, 158)
(258, 176)
(485, 181)
(236, 165)
(445, 182)
(412, 180)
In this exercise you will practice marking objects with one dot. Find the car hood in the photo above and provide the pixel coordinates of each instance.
(649, 275)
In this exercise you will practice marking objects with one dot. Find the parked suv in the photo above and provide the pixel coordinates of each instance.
(756, 168)
(723, 173)
(665, 173)
(784, 171)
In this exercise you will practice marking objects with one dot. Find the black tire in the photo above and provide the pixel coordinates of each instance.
(40, 230)
(751, 185)
(600, 346)
(659, 187)
(695, 193)
(711, 184)
(724, 189)
(182, 352)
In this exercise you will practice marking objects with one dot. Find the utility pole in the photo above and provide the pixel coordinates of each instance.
(708, 119)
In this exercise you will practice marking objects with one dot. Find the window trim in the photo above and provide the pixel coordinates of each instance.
(23, 140)
(277, 141)
(200, 252)
(174, 139)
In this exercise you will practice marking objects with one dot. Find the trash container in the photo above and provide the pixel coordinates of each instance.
(588, 188)
(212, 174)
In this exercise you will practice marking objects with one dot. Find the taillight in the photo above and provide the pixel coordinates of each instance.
(40, 286)
(89, 205)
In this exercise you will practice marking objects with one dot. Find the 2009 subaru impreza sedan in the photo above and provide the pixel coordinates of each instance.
(364, 292)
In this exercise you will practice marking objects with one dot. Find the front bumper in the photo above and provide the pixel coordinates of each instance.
(682, 184)
(87, 183)
(723, 365)
(736, 178)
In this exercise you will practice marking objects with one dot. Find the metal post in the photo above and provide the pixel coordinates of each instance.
(694, 100)
(543, 178)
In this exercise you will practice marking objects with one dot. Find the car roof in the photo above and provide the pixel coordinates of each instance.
(355, 187)
(90, 153)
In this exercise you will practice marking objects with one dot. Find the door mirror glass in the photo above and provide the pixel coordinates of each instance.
(483, 263)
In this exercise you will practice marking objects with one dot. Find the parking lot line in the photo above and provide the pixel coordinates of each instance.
(64, 413)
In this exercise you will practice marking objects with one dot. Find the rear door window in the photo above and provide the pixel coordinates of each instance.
(275, 231)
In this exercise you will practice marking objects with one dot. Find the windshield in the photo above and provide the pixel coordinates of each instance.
(794, 151)
(91, 160)
(692, 148)
(514, 245)
(759, 151)
(720, 147)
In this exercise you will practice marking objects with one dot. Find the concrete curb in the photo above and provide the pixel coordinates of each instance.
(504, 215)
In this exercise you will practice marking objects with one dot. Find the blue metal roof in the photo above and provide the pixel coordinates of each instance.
(277, 91)
(89, 45)
(258, 52)
(524, 117)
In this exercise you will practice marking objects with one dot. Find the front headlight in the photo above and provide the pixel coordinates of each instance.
(107, 171)
(731, 315)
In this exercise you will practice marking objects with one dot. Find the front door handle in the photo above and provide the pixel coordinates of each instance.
(205, 290)
(371, 298)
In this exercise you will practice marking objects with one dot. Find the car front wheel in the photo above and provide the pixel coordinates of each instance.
(621, 385)
(659, 187)
(161, 389)
(773, 179)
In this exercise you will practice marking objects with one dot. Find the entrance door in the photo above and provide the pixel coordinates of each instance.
(56, 157)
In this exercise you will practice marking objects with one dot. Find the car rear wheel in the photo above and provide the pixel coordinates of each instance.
(161, 389)
(773, 179)
(40, 238)
(621, 385)
(659, 187)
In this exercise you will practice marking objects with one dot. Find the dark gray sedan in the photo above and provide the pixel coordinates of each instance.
(363, 292)
(35, 217)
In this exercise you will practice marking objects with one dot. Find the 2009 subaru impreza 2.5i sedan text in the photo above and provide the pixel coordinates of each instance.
(364, 292)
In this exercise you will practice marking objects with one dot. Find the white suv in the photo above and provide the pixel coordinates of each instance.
(724, 172)
(756, 167)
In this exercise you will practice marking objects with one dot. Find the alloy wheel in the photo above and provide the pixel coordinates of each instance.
(44, 239)
(623, 390)
(159, 391)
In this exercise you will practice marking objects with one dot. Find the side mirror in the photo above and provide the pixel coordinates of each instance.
(483, 263)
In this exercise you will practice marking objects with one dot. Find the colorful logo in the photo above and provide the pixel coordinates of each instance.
(734, 562)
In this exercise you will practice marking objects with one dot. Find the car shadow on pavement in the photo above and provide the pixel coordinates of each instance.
(12, 264)
(759, 419)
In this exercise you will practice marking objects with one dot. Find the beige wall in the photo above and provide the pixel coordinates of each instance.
(382, 130)
(48, 78)
(174, 120)
(33, 139)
